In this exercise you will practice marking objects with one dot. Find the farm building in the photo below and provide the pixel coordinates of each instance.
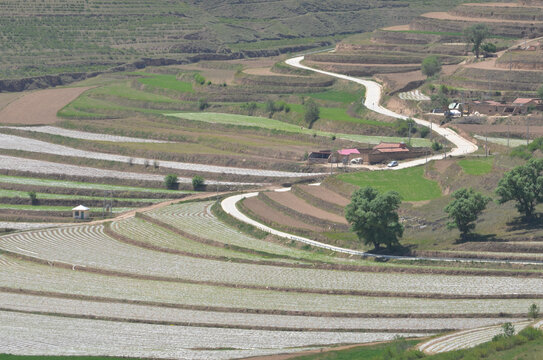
(383, 152)
(81, 212)
(321, 156)
(517, 107)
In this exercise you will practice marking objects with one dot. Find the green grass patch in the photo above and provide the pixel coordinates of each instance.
(373, 352)
(336, 96)
(477, 166)
(272, 124)
(409, 183)
(166, 81)
(339, 114)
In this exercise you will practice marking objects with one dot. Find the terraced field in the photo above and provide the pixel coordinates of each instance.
(78, 277)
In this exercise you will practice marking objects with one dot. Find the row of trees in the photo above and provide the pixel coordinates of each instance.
(374, 218)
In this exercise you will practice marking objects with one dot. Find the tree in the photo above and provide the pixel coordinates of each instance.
(374, 218)
(202, 104)
(465, 209)
(431, 66)
(533, 311)
(312, 112)
(523, 184)
(170, 181)
(475, 35)
(540, 92)
(197, 182)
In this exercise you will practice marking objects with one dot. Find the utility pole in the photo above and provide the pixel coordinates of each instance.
(508, 130)
(486, 144)
(410, 125)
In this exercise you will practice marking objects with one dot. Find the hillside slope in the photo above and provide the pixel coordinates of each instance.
(56, 37)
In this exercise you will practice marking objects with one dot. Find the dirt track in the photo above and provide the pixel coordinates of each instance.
(39, 107)
(447, 16)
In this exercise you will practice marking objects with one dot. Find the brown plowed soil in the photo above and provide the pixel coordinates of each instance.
(264, 71)
(447, 16)
(264, 211)
(325, 194)
(39, 107)
(290, 200)
(515, 129)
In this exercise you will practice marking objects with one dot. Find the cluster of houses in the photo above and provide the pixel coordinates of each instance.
(382, 153)
(519, 106)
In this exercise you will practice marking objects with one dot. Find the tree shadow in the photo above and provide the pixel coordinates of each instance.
(521, 223)
(397, 250)
(474, 237)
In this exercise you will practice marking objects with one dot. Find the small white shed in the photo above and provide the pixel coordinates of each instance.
(81, 212)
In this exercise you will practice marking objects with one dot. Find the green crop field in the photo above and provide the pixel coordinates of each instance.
(261, 122)
(477, 166)
(166, 82)
(409, 183)
(80, 185)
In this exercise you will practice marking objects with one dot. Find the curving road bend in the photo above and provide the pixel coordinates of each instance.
(373, 96)
(372, 102)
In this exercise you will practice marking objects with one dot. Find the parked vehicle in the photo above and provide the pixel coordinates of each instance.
(357, 161)
(392, 163)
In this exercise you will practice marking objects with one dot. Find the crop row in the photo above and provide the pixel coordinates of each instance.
(76, 134)
(31, 334)
(88, 246)
(466, 339)
(196, 218)
(145, 313)
(13, 142)
(26, 276)
(142, 231)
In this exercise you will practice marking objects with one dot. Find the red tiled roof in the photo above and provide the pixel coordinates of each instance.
(348, 151)
(521, 101)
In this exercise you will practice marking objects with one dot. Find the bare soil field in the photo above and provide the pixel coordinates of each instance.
(515, 129)
(264, 211)
(325, 194)
(6, 98)
(292, 201)
(447, 16)
(39, 107)
(396, 81)
(263, 71)
(397, 28)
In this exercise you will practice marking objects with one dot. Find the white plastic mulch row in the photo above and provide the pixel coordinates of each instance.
(21, 302)
(466, 339)
(87, 245)
(26, 225)
(414, 95)
(47, 167)
(25, 275)
(30, 334)
(13, 142)
(83, 135)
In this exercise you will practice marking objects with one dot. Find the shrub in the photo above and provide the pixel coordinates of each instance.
(199, 79)
(533, 311)
(424, 131)
(33, 198)
(170, 181)
(540, 92)
(531, 333)
(436, 146)
(156, 164)
(197, 182)
(202, 104)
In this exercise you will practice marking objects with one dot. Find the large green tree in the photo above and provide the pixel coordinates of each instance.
(431, 65)
(523, 184)
(465, 208)
(312, 112)
(475, 35)
(374, 217)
